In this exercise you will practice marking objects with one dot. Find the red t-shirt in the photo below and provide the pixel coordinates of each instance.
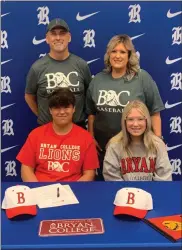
(59, 157)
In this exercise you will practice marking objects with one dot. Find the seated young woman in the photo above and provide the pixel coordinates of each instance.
(136, 153)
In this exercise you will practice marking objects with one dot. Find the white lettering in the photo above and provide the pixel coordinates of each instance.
(134, 13)
(5, 84)
(10, 168)
(89, 38)
(4, 43)
(175, 125)
(43, 15)
(177, 35)
(8, 127)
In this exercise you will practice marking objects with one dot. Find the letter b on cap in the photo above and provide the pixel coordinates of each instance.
(131, 199)
(21, 197)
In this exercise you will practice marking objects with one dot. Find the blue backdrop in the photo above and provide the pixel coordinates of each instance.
(156, 29)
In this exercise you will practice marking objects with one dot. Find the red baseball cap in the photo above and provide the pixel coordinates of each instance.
(133, 201)
(19, 200)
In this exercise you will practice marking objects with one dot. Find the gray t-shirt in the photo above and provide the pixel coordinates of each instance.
(106, 98)
(47, 74)
(139, 167)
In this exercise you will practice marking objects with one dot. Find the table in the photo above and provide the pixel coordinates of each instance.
(96, 201)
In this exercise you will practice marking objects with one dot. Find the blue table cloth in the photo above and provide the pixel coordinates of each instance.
(96, 201)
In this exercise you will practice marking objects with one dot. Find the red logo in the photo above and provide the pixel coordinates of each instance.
(21, 198)
(130, 198)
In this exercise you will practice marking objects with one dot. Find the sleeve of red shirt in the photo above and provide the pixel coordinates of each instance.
(27, 154)
(91, 158)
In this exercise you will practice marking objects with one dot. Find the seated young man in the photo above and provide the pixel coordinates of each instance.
(59, 150)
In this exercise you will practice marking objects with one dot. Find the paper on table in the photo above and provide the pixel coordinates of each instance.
(73, 199)
(53, 195)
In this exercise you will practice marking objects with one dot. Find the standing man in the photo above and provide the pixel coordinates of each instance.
(59, 150)
(59, 68)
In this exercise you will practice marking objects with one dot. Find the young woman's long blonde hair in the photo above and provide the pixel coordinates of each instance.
(149, 139)
(133, 62)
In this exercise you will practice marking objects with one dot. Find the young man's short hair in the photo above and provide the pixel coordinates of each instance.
(61, 97)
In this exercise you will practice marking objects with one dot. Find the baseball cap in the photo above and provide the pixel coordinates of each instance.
(133, 201)
(19, 200)
(57, 22)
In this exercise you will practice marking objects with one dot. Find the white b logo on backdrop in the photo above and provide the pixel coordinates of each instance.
(134, 13)
(175, 125)
(176, 165)
(43, 15)
(7, 127)
(177, 35)
(89, 38)
(5, 84)
(176, 81)
(4, 43)
(10, 168)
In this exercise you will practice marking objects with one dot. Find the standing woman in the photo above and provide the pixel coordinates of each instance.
(112, 89)
(136, 154)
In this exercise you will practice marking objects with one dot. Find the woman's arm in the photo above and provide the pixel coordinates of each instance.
(91, 119)
(111, 167)
(157, 124)
(163, 168)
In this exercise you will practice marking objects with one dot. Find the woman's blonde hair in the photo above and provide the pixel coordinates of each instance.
(149, 139)
(133, 62)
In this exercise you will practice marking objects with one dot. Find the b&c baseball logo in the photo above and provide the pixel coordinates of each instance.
(57, 166)
(111, 98)
(60, 80)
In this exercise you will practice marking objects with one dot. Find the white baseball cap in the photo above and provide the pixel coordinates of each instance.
(133, 201)
(19, 200)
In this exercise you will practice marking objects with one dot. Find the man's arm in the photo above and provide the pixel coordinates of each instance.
(156, 124)
(88, 175)
(27, 174)
(32, 103)
(91, 119)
